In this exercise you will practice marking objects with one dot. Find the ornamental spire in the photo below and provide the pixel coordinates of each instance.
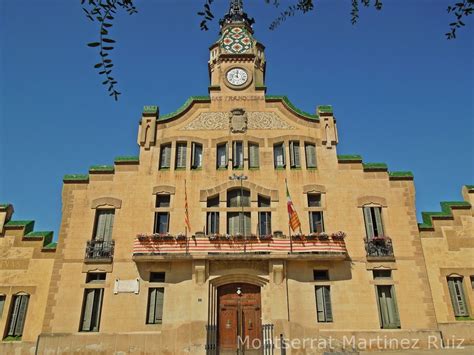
(236, 15)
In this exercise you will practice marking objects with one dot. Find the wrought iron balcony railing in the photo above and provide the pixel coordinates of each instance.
(379, 247)
(100, 249)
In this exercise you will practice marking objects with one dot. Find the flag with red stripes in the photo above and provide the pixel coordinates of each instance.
(186, 211)
(294, 221)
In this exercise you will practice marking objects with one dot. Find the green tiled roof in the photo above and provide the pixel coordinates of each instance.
(469, 187)
(375, 166)
(126, 159)
(291, 107)
(325, 109)
(51, 246)
(28, 225)
(4, 206)
(401, 175)
(46, 235)
(184, 107)
(349, 158)
(101, 168)
(76, 178)
(150, 109)
(446, 212)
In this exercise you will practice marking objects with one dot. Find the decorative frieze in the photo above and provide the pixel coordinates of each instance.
(220, 120)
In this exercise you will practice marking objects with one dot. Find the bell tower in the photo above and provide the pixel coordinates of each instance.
(237, 59)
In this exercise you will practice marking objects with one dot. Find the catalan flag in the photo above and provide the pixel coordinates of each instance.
(294, 221)
(186, 212)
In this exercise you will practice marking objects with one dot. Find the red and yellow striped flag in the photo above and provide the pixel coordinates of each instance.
(186, 212)
(294, 221)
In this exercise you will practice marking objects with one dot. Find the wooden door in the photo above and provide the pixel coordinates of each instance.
(239, 319)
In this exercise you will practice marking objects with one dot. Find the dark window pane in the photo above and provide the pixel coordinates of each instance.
(382, 274)
(263, 201)
(212, 222)
(213, 201)
(265, 223)
(314, 200)
(316, 222)
(321, 275)
(157, 277)
(163, 200)
(234, 198)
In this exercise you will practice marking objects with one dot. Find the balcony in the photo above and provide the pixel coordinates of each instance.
(99, 251)
(379, 248)
(224, 247)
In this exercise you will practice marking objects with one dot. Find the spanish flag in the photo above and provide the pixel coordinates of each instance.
(294, 221)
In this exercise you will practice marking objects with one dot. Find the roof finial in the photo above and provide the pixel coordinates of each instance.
(236, 14)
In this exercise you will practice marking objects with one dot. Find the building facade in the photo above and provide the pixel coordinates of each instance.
(187, 248)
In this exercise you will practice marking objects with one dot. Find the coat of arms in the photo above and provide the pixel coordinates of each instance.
(238, 120)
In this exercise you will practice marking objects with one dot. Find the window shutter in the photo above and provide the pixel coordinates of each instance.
(20, 322)
(197, 155)
(327, 303)
(96, 310)
(100, 227)
(234, 154)
(193, 154)
(458, 299)
(320, 228)
(310, 155)
(2, 304)
(283, 154)
(320, 303)
(292, 154)
(226, 154)
(14, 315)
(246, 224)
(378, 221)
(88, 306)
(296, 154)
(160, 292)
(167, 158)
(181, 155)
(253, 156)
(452, 293)
(109, 223)
(369, 226)
(393, 310)
(151, 305)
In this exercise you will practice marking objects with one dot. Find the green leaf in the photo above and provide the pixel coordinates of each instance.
(98, 65)
(93, 44)
(108, 40)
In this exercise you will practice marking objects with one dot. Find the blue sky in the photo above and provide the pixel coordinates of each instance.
(401, 92)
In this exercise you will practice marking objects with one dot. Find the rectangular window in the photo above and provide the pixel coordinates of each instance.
(310, 150)
(265, 223)
(104, 222)
(162, 200)
(157, 277)
(254, 158)
(323, 304)
(382, 274)
(295, 161)
(181, 155)
(162, 220)
(316, 223)
(279, 155)
(314, 200)
(95, 277)
(165, 156)
(237, 155)
(212, 226)
(196, 156)
(91, 309)
(321, 275)
(238, 222)
(222, 156)
(155, 305)
(387, 304)
(458, 299)
(17, 316)
(263, 201)
(373, 222)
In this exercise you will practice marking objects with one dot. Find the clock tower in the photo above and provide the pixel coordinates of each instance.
(237, 59)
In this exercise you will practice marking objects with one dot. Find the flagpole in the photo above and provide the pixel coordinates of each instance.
(289, 225)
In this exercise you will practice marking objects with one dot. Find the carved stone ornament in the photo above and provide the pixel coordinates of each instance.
(220, 120)
(238, 120)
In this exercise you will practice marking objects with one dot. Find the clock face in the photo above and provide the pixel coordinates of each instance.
(237, 76)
